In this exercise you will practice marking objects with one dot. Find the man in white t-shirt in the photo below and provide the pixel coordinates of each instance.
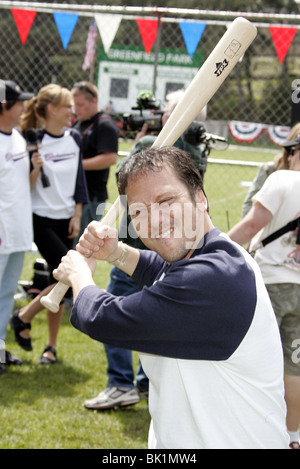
(276, 205)
(15, 207)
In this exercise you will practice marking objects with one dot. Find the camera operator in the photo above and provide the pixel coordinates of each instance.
(121, 389)
(144, 140)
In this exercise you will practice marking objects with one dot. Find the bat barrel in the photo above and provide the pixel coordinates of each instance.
(209, 78)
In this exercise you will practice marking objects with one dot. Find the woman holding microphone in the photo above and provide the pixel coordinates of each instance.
(58, 192)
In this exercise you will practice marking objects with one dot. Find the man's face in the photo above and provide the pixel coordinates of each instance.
(164, 215)
(84, 108)
(15, 112)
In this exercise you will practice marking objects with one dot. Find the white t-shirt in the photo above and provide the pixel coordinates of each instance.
(61, 158)
(279, 261)
(16, 232)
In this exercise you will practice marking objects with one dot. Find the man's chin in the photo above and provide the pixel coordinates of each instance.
(171, 253)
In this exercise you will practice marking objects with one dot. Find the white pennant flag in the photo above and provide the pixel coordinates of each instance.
(108, 26)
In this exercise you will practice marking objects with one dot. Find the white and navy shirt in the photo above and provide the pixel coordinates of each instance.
(16, 232)
(63, 166)
(209, 344)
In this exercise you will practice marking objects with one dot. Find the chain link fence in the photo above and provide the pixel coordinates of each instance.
(259, 90)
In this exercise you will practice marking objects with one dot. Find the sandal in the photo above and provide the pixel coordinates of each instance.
(18, 326)
(46, 360)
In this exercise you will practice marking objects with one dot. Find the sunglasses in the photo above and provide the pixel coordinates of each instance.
(82, 85)
(292, 150)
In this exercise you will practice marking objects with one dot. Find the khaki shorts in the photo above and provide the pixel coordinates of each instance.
(285, 298)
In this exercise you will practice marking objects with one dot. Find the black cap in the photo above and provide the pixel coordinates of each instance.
(291, 143)
(13, 92)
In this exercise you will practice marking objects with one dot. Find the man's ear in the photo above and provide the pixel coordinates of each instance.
(202, 200)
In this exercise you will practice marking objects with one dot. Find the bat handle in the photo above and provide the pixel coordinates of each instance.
(53, 299)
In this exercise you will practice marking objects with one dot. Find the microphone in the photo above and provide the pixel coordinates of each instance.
(196, 134)
(32, 145)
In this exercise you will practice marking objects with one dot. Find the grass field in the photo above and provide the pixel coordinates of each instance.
(41, 406)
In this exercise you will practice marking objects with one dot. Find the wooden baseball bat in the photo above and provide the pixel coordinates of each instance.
(206, 82)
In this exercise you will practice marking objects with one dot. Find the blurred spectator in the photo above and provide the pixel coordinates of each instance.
(280, 162)
(16, 234)
(99, 147)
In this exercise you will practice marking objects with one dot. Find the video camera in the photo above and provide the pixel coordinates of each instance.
(135, 122)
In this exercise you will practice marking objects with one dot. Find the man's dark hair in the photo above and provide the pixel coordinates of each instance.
(154, 159)
(7, 105)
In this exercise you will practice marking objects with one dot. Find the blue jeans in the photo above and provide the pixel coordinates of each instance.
(120, 370)
(10, 271)
(93, 210)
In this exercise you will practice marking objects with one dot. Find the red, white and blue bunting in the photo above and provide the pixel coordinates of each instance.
(247, 132)
(108, 25)
(278, 134)
(192, 31)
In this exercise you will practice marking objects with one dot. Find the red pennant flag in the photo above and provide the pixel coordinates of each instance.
(24, 20)
(148, 31)
(282, 38)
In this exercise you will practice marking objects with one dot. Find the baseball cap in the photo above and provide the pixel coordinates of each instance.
(14, 92)
(291, 143)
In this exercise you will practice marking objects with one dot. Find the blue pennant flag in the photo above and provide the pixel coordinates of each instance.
(192, 33)
(65, 23)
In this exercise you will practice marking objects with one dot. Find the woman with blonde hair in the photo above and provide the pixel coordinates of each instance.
(56, 205)
(280, 162)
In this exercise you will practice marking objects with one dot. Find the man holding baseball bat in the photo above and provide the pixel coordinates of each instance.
(216, 377)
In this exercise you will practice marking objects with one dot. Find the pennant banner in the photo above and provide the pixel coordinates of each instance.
(192, 33)
(282, 38)
(24, 20)
(148, 31)
(108, 26)
(65, 23)
(245, 131)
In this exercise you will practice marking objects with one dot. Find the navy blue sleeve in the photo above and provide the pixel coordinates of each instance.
(200, 309)
(149, 267)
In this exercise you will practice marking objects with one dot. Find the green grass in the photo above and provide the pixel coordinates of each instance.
(224, 184)
(41, 406)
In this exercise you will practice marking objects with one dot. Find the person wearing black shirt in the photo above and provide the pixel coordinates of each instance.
(99, 147)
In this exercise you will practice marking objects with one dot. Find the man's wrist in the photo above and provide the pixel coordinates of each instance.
(79, 281)
(121, 255)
